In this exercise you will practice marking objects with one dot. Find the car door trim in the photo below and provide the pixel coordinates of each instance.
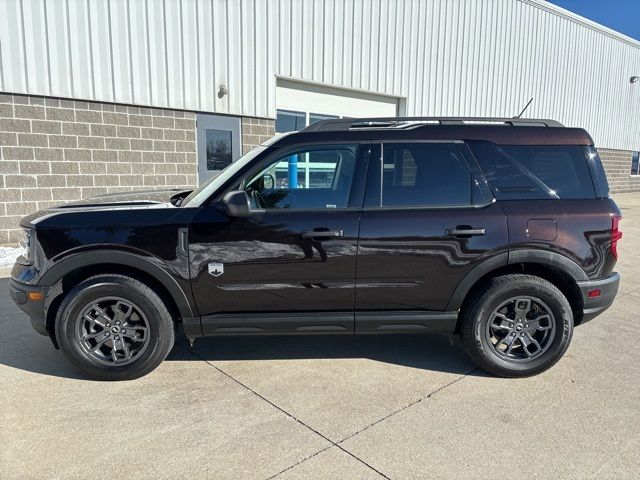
(278, 323)
(405, 322)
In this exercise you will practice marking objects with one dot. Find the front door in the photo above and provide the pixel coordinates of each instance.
(218, 143)
(290, 266)
(427, 222)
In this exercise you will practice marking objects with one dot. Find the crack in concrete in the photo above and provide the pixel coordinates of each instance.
(415, 402)
(300, 462)
(288, 415)
(332, 443)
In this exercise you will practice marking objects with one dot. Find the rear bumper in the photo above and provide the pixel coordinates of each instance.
(608, 287)
(35, 309)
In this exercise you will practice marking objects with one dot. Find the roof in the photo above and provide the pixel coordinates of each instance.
(498, 134)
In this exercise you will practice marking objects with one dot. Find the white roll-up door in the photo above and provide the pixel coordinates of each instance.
(300, 104)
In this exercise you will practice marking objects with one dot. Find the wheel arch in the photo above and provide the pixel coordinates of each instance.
(67, 273)
(561, 271)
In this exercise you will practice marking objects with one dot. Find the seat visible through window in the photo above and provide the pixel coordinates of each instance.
(425, 174)
(315, 178)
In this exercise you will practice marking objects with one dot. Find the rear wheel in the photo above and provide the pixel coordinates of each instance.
(113, 327)
(518, 325)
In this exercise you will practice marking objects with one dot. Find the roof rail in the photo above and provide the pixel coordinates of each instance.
(344, 124)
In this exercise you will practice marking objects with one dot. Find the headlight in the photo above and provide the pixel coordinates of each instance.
(25, 244)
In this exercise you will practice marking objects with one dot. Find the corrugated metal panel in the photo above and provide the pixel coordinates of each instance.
(457, 57)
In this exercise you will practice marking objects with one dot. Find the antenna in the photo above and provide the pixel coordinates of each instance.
(525, 108)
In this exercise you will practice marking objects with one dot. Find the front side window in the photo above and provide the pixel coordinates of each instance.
(316, 178)
(534, 171)
(425, 174)
(205, 191)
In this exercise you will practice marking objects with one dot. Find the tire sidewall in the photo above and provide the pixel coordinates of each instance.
(81, 297)
(563, 318)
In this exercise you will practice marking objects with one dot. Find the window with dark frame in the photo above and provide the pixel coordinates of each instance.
(290, 121)
(635, 163)
(219, 148)
(534, 171)
(293, 121)
(425, 175)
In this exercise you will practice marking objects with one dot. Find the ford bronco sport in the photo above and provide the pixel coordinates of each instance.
(500, 231)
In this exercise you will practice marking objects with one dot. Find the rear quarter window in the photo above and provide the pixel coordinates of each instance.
(534, 172)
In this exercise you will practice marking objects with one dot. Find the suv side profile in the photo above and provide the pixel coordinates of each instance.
(500, 231)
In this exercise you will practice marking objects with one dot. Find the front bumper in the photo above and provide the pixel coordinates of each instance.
(592, 307)
(35, 309)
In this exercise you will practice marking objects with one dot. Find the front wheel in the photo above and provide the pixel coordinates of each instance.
(113, 327)
(518, 325)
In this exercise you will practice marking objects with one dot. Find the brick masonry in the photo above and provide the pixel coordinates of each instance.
(256, 131)
(617, 165)
(55, 150)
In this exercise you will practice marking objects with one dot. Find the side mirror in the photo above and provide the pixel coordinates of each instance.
(237, 204)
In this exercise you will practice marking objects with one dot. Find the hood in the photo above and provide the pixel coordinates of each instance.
(146, 197)
(115, 202)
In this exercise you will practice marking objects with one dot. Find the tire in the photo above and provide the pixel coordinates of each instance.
(92, 321)
(505, 347)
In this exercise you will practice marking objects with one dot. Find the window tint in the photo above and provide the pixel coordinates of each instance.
(534, 172)
(635, 161)
(425, 174)
(287, 121)
(311, 178)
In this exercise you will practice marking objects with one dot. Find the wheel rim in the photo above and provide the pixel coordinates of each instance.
(113, 331)
(521, 329)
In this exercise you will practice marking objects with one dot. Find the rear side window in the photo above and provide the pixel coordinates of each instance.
(425, 174)
(534, 172)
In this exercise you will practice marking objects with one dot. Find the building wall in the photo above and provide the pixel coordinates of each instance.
(53, 150)
(617, 165)
(256, 131)
(441, 57)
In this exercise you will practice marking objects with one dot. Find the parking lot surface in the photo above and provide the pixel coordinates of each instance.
(400, 407)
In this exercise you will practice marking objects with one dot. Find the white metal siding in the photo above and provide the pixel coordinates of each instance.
(446, 57)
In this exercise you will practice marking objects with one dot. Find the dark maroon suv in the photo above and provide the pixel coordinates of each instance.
(500, 231)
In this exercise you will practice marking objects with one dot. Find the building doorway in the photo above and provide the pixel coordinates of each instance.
(219, 144)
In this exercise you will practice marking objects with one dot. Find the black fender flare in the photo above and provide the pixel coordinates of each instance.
(552, 259)
(119, 257)
(503, 259)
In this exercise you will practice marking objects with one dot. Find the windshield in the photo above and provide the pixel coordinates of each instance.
(204, 191)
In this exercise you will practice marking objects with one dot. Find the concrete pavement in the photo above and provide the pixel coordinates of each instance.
(330, 407)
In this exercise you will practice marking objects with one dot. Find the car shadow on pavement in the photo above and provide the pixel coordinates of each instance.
(28, 351)
(428, 352)
(22, 348)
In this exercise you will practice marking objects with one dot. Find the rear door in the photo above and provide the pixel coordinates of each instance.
(428, 220)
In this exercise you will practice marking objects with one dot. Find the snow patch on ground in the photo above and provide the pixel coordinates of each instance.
(8, 256)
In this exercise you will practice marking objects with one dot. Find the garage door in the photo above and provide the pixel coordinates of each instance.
(300, 104)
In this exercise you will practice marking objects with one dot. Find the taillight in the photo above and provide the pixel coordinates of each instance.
(616, 235)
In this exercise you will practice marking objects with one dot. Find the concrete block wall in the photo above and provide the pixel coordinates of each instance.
(617, 165)
(54, 150)
(256, 131)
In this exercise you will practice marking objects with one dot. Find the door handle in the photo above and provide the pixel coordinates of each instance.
(464, 231)
(317, 233)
